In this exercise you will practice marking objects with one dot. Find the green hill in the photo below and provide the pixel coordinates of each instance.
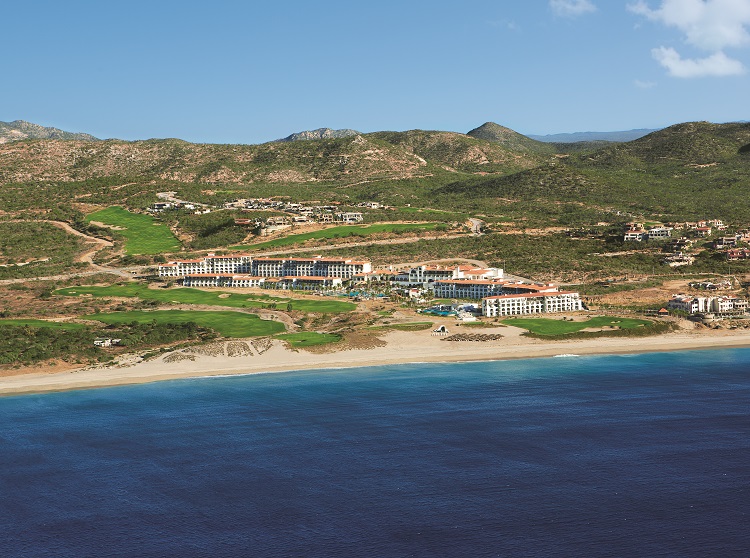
(697, 143)
(513, 141)
(687, 171)
(463, 152)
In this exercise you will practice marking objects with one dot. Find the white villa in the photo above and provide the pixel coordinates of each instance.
(635, 236)
(660, 232)
(349, 217)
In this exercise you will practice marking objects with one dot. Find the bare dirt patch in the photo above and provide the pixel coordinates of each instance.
(350, 341)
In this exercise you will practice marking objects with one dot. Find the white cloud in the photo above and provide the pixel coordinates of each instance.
(708, 25)
(644, 84)
(571, 8)
(716, 65)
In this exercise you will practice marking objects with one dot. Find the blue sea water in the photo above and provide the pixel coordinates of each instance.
(645, 455)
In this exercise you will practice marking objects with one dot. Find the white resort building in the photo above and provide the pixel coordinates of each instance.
(317, 266)
(476, 289)
(245, 281)
(531, 303)
(211, 264)
(425, 275)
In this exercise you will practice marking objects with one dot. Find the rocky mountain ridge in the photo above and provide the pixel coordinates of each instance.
(363, 157)
(320, 133)
(22, 130)
(416, 154)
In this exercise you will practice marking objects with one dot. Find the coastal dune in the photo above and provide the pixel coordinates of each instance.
(399, 347)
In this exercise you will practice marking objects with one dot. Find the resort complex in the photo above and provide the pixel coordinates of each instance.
(500, 296)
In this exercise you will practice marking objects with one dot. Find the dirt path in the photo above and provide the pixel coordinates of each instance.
(85, 257)
(100, 242)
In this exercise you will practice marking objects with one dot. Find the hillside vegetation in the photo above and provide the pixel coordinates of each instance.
(684, 172)
(383, 155)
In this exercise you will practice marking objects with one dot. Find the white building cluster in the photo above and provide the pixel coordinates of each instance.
(499, 296)
(707, 304)
(638, 232)
(302, 213)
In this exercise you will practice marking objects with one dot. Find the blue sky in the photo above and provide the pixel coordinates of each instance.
(248, 72)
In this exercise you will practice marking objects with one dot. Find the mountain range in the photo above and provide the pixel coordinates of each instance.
(21, 130)
(687, 169)
(488, 149)
(622, 136)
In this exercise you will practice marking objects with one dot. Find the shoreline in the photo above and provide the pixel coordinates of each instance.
(399, 348)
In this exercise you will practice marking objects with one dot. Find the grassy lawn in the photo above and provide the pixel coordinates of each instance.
(308, 339)
(20, 322)
(142, 234)
(228, 324)
(546, 326)
(186, 295)
(340, 232)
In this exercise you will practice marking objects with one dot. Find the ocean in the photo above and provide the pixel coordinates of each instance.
(637, 455)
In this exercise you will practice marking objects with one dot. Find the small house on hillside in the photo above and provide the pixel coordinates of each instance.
(106, 342)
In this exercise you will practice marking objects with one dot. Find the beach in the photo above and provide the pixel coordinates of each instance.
(397, 347)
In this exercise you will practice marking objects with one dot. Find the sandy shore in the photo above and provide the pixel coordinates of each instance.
(400, 347)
